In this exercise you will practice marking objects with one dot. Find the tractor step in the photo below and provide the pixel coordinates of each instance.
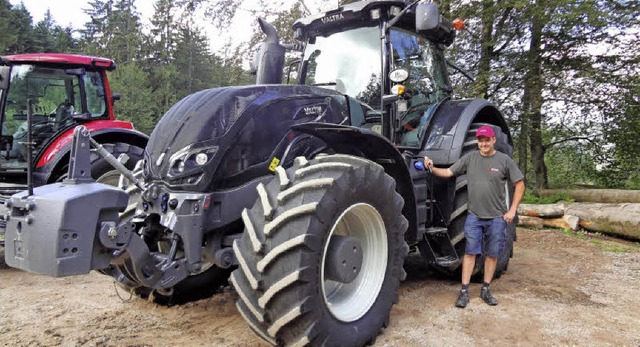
(436, 232)
(446, 261)
(436, 247)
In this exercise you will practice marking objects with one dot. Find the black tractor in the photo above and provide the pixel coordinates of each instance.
(306, 198)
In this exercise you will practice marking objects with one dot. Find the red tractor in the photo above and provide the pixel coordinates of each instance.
(46, 96)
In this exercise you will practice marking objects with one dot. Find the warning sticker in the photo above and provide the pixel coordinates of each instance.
(274, 164)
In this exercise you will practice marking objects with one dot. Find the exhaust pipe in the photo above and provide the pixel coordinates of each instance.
(269, 61)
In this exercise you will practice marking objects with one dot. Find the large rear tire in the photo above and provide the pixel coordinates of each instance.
(460, 210)
(294, 244)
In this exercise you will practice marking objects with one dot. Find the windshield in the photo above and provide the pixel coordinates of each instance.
(349, 62)
(424, 62)
(55, 97)
(427, 83)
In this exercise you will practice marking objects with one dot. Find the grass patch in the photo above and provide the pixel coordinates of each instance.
(576, 234)
(603, 244)
(614, 247)
(530, 198)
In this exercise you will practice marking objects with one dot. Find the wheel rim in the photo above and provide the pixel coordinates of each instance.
(350, 301)
(111, 178)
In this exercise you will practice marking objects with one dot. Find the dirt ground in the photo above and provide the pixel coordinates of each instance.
(560, 289)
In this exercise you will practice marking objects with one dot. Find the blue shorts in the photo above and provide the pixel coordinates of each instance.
(493, 230)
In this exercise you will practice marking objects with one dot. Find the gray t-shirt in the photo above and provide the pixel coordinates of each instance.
(487, 178)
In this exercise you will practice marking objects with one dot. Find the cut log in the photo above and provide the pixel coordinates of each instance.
(614, 219)
(615, 196)
(564, 222)
(545, 211)
(530, 222)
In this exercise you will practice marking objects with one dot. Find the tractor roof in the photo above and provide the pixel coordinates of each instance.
(60, 58)
(344, 17)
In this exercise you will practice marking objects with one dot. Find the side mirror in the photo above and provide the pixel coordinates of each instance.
(5, 73)
(431, 23)
(115, 97)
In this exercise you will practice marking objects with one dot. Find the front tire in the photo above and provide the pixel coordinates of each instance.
(294, 244)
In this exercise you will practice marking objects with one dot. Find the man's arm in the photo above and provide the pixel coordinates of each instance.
(517, 197)
(428, 163)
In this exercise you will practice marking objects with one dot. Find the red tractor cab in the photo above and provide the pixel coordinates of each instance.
(43, 97)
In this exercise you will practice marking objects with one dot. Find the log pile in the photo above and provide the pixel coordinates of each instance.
(622, 220)
(611, 196)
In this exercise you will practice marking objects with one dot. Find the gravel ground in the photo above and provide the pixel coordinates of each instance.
(560, 289)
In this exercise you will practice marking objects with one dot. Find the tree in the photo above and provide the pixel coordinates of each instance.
(8, 35)
(64, 41)
(44, 39)
(163, 32)
(21, 24)
(125, 33)
(137, 104)
(114, 31)
(94, 36)
(193, 60)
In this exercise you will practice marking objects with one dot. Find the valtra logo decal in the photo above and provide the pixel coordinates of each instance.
(332, 18)
(493, 169)
(311, 111)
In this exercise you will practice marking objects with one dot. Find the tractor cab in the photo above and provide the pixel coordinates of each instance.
(388, 56)
(46, 95)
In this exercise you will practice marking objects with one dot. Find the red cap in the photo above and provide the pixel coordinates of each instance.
(485, 131)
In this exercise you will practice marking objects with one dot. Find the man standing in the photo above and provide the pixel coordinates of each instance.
(487, 171)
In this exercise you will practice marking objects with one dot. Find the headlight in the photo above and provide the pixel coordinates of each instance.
(202, 158)
(189, 159)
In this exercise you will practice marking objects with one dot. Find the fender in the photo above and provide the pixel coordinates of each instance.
(105, 132)
(64, 140)
(373, 146)
(443, 138)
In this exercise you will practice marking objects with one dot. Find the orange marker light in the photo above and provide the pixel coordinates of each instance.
(458, 23)
(398, 89)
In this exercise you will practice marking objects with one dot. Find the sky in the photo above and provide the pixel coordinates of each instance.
(70, 12)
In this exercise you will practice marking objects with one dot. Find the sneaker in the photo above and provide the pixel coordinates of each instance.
(463, 299)
(485, 294)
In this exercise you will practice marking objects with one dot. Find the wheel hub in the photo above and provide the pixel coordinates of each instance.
(346, 259)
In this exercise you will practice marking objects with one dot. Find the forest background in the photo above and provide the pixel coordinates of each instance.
(565, 73)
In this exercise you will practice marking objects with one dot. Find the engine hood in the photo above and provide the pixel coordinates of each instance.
(193, 136)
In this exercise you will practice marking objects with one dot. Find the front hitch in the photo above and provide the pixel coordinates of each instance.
(73, 227)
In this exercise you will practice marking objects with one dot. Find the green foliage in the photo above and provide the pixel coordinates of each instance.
(530, 198)
(137, 104)
(570, 165)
